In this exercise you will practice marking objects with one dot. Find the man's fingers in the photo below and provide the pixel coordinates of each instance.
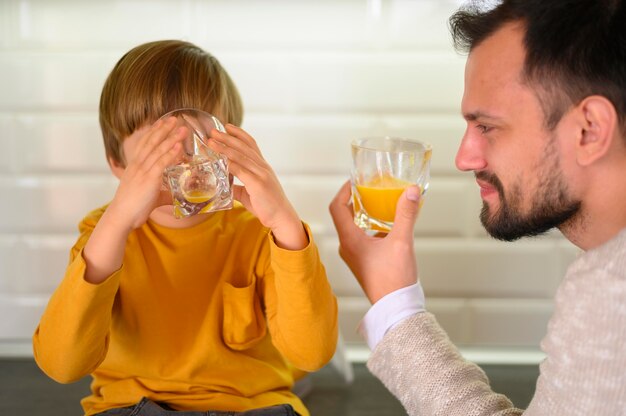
(406, 213)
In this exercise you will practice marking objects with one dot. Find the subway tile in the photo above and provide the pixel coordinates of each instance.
(285, 24)
(509, 322)
(311, 195)
(310, 143)
(48, 256)
(264, 78)
(51, 204)
(275, 24)
(24, 313)
(60, 143)
(379, 83)
(12, 260)
(8, 154)
(7, 22)
(329, 83)
(313, 143)
(69, 24)
(490, 269)
(53, 81)
(419, 24)
(341, 279)
(33, 264)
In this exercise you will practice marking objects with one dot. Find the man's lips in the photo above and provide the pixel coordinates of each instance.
(486, 189)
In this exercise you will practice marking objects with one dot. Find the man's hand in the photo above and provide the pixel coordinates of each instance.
(381, 265)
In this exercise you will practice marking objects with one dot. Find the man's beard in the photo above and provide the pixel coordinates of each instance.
(551, 205)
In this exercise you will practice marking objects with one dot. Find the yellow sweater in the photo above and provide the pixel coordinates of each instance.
(211, 317)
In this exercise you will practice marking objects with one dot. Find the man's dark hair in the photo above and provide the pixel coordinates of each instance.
(574, 48)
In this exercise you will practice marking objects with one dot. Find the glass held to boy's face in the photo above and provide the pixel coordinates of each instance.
(198, 182)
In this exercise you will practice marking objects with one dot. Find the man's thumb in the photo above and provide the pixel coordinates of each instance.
(406, 212)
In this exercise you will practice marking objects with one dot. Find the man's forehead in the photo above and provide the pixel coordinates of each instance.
(493, 67)
(504, 49)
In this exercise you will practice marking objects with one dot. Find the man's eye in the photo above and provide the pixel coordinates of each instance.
(483, 129)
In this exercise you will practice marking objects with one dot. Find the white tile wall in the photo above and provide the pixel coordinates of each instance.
(313, 75)
(52, 142)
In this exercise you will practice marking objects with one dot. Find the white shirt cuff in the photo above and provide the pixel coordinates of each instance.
(389, 311)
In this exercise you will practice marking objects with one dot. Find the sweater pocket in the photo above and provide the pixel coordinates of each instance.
(244, 322)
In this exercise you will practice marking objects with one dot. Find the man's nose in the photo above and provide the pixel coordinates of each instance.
(470, 155)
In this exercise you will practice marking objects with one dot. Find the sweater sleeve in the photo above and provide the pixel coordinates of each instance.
(583, 372)
(421, 367)
(300, 306)
(72, 337)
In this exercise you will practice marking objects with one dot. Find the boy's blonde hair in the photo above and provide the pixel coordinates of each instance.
(157, 77)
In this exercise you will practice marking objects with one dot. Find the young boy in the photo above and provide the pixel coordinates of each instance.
(206, 313)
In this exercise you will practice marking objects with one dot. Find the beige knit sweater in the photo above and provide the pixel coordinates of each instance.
(584, 372)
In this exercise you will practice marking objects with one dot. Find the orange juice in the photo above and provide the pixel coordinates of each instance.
(197, 196)
(380, 196)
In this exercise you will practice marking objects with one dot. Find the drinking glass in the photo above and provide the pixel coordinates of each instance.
(199, 182)
(382, 167)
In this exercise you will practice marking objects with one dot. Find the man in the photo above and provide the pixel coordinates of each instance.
(545, 105)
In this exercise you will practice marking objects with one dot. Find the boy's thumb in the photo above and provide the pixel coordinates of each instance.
(406, 212)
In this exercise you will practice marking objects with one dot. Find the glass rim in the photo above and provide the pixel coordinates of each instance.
(187, 109)
(358, 143)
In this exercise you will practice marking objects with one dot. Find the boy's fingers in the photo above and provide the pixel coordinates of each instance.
(156, 134)
(230, 143)
(168, 159)
(238, 158)
(167, 150)
(406, 213)
(242, 172)
(242, 135)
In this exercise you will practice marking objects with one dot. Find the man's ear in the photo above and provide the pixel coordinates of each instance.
(598, 123)
(117, 168)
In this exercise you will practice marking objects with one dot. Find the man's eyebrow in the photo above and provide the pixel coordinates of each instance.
(479, 115)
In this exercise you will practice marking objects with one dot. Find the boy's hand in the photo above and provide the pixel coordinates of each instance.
(262, 193)
(139, 191)
(150, 150)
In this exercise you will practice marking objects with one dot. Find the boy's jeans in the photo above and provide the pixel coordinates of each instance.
(147, 407)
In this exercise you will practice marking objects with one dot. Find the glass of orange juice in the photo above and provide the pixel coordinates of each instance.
(382, 167)
(199, 182)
